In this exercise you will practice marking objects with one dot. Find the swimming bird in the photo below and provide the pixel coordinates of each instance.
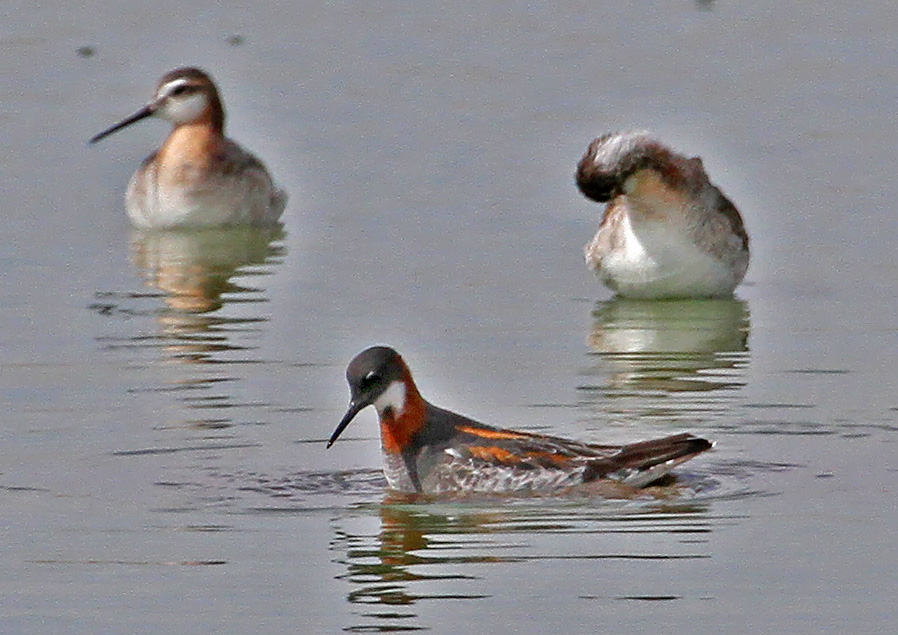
(667, 232)
(431, 450)
(199, 177)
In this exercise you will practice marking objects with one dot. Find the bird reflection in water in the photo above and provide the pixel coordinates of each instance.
(195, 269)
(431, 550)
(385, 569)
(208, 316)
(679, 349)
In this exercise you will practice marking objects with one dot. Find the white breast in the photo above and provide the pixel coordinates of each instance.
(662, 260)
(209, 202)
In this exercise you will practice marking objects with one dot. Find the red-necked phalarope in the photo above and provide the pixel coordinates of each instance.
(199, 177)
(431, 450)
(668, 232)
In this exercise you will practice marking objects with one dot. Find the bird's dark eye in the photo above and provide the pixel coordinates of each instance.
(370, 380)
(180, 90)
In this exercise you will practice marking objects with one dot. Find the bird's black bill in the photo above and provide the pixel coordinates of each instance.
(143, 113)
(354, 408)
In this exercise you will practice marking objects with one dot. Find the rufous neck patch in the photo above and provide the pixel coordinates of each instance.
(399, 427)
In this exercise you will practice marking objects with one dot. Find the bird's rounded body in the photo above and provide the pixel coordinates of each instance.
(667, 231)
(199, 177)
(427, 449)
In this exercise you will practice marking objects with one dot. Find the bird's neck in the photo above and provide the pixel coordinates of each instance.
(402, 411)
(196, 144)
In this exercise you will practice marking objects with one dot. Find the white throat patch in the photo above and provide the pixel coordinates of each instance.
(393, 398)
(181, 109)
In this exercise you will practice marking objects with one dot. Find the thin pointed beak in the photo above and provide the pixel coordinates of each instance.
(354, 408)
(143, 113)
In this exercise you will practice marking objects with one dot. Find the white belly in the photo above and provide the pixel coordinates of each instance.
(225, 202)
(663, 261)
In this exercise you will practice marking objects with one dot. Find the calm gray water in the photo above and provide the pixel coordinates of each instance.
(166, 399)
